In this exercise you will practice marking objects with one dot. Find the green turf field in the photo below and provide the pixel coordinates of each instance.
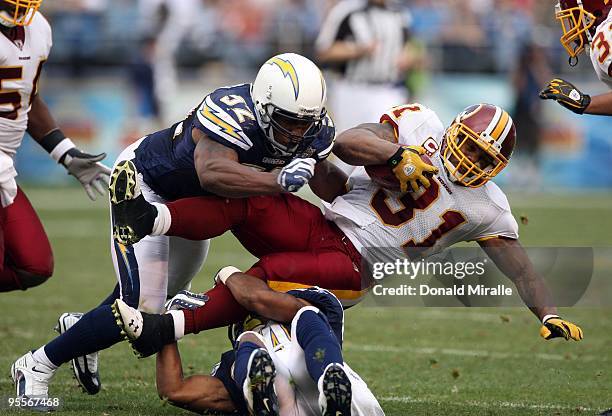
(417, 361)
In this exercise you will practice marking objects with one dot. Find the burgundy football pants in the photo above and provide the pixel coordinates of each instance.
(24, 246)
(296, 246)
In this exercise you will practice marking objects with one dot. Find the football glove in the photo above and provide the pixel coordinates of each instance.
(556, 327)
(88, 170)
(296, 174)
(409, 168)
(566, 94)
(186, 300)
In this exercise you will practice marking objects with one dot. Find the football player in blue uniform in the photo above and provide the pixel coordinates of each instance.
(286, 357)
(250, 139)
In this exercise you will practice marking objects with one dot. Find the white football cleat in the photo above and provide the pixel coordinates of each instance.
(31, 379)
(129, 319)
(146, 332)
(335, 391)
(85, 368)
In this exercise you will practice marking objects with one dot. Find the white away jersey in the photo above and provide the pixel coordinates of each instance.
(601, 51)
(20, 66)
(434, 218)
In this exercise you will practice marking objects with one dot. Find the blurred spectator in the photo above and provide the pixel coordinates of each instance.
(366, 43)
(295, 26)
(464, 41)
(80, 24)
(242, 36)
(165, 23)
(530, 73)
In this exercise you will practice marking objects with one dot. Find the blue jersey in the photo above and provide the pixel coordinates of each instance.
(226, 116)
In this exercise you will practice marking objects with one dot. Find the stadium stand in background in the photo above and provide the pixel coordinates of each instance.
(102, 75)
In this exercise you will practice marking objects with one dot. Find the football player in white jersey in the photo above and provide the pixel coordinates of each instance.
(25, 43)
(587, 25)
(460, 204)
(286, 357)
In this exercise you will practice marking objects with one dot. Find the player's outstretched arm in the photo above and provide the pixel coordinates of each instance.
(220, 172)
(254, 295)
(600, 105)
(510, 257)
(570, 97)
(197, 393)
(87, 168)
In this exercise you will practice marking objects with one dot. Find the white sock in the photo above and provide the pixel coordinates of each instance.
(179, 324)
(162, 222)
(41, 356)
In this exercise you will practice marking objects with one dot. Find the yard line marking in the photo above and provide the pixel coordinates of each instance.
(466, 353)
(475, 403)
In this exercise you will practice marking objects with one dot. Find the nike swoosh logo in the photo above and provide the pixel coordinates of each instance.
(265, 403)
(38, 371)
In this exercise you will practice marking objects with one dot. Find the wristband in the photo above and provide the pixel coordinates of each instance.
(586, 102)
(225, 273)
(56, 144)
(396, 158)
(547, 317)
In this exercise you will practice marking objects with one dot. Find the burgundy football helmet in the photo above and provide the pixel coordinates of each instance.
(579, 20)
(478, 144)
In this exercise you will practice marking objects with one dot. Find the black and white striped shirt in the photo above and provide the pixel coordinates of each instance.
(365, 23)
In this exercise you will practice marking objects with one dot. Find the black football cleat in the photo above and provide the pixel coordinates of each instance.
(335, 393)
(133, 216)
(258, 388)
(146, 332)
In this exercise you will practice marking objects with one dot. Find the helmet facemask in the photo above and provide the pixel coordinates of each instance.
(469, 158)
(576, 23)
(288, 132)
(18, 12)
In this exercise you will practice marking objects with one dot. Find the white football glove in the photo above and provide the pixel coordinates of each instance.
(88, 170)
(296, 174)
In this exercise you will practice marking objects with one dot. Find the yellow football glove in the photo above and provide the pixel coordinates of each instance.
(555, 327)
(409, 168)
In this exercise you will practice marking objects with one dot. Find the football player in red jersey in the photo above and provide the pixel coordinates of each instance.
(587, 25)
(297, 244)
(25, 43)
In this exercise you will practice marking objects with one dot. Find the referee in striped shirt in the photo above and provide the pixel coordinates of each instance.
(366, 43)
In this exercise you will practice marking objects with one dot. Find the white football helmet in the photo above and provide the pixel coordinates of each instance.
(289, 88)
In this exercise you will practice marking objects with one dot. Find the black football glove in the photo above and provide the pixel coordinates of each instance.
(566, 94)
(556, 327)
